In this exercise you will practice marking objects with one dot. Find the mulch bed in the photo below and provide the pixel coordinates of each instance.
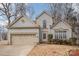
(51, 50)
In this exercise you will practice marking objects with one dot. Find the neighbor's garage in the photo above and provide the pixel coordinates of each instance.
(24, 39)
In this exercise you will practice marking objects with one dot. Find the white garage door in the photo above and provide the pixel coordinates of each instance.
(24, 39)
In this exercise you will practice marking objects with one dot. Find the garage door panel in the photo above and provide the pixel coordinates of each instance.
(24, 39)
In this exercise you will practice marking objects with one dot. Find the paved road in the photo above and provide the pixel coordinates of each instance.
(15, 50)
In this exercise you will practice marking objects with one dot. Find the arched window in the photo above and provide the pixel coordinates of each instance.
(44, 23)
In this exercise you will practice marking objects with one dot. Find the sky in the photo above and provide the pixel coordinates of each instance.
(38, 8)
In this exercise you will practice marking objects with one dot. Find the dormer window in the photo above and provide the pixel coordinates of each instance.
(44, 23)
(23, 20)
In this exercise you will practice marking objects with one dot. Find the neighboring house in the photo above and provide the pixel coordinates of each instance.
(23, 31)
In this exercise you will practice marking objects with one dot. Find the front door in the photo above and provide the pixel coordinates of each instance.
(44, 36)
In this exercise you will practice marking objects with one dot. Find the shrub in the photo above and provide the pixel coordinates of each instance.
(60, 41)
(67, 42)
(56, 41)
(72, 40)
(50, 36)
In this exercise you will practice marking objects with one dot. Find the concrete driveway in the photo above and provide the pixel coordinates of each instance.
(15, 50)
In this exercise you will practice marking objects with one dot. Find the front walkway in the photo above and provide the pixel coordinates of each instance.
(51, 50)
(15, 50)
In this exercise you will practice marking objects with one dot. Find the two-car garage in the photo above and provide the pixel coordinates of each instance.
(23, 36)
(24, 39)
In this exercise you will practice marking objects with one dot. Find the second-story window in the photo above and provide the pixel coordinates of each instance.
(44, 23)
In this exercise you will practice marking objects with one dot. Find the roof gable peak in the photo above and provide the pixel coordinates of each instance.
(43, 13)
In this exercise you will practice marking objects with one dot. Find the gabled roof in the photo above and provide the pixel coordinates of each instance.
(13, 22)
(55, 24)
(28, 20)
(59, 22)
(43, 13)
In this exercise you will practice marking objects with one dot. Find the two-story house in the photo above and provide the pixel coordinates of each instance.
(25, 31)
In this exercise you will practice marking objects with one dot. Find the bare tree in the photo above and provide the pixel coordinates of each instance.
(55, 10)
(25, 9)
(5, 8)
(68, 11)
(61, 11)
(30, 11)
(7, 11)
(70, 17)
(14, 11)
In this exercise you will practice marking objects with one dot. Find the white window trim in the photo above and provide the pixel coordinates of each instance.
(60, 34)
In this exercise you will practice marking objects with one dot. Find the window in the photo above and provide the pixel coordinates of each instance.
(23, 20)
(60, 34)
(44, 35)
(44, 23)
